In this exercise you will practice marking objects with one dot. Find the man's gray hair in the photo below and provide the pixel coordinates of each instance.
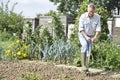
(91, 5)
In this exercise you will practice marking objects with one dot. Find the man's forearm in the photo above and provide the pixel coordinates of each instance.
(96, 34)
(83, 33)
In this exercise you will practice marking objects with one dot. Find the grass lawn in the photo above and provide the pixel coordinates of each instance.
(5, 44)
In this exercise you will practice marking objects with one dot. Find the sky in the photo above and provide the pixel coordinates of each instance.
(30, 8)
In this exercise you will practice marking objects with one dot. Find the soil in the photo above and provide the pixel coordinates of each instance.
(46, 71)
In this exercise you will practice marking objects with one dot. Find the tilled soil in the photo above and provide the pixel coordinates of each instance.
(46, 71)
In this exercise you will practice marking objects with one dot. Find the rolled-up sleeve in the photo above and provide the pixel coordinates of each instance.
(98, 28)
(81, 26)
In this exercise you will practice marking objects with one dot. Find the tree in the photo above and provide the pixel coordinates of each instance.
(38, 15)
(68, 7)
(58, 27)
(9, 20)
(72, 7)
(50, 13)
(110, 5)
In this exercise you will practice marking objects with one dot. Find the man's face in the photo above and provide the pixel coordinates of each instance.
(91, 12)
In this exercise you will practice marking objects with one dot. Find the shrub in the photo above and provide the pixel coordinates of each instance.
(4, 35)
(17, 50)
(106, 55)
(58, 27)
(9, 20)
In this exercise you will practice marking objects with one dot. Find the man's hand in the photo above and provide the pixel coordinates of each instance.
(85, 35)
(93, 39)
(88, 39)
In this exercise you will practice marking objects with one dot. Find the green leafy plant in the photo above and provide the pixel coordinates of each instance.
(77, 61)
(17, 50)
(58, 27)
(2, 78)
(42, 34)
(106, 55)
(30, 76)
(36, 39)
(4, 35)
(69, 78)
(60, 51)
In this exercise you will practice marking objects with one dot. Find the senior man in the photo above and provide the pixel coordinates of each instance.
(89, 29)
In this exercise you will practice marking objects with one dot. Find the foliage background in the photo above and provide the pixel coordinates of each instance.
(10, 22)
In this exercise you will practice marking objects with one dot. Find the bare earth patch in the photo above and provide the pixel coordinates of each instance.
(48, 71)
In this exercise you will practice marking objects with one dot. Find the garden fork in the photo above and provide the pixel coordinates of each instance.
(88, 54)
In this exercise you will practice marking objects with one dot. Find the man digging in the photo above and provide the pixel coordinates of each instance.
(89, 29)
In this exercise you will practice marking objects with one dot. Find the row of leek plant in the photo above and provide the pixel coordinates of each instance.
(60, 51)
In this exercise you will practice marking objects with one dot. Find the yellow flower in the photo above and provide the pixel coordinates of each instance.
(12, 44)
(9, 46)
(8, 51)
(14, 55)
(25, 46)
(18, 53)
(24, 55)
(8, 54)
(18, 41)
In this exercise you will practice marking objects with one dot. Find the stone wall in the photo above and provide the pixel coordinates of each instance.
(116, 29)
(47, 20)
